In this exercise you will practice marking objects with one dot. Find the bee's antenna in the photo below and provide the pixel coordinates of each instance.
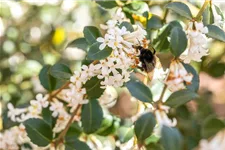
(138, 41)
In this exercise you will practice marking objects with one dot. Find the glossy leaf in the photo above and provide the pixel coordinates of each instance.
(38, 131)
(136, 8)
(49, 82)
(144, 126)
(208, 17)
(73, 132)
(91, 33)
(216, 33)
(125, 134)
(76, 144)
(181, 97)
(178, 41)
(211, 126)
(154, 23)
(95, 53)
(139, 90)
(91, 116)
(60, 71)
(194, 86)
(107, 4)
(180, 8)
(93, 88)
(80, 43)
(128, 26)
(48, 118)
(171, 138)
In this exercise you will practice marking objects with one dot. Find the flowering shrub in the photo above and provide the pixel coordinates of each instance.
(76, 110)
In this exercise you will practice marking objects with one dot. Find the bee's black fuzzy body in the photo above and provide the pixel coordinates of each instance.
(147, 58)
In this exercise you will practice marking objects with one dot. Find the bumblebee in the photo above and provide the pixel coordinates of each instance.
(147, 58)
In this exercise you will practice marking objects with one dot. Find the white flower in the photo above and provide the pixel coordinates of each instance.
(42, 100)
(35, 108)
(163, 119)
(216, 143)
(197, 42)
(14, 112)
(76, 79)
(56, 107)
(177, 77)
(107, 40)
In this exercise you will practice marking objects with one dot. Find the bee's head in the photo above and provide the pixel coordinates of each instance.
(138, 47)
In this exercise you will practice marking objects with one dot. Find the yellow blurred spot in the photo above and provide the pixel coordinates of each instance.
(59, 36)
(141, 19)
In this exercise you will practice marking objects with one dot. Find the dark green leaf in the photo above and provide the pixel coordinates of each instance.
(171, 138)
(128, 26)
(76, 145)
(91, 116)
(154, 23)
(195, 81)
(93, 88)
(125, 134)
(38, 131)
(136, 8)
(178, 41)
(144, 126)
(47, 117)
(107, 4)
(60, 71)
(180, 8)
(211, 126)
(74, 132)
(216, 33)
(49, 82)
(80, 43)
(95, 53)
(139, 90)
(154, 146)
(91, 33)
(180, 97)
(208, 17)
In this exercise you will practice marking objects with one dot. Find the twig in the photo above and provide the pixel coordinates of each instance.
(59, 90)
(63, 133)
(163, 93)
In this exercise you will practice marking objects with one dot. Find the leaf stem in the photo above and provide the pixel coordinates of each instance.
(163, 93)
(198, 17)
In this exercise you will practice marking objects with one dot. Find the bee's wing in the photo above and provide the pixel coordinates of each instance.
(150, 69)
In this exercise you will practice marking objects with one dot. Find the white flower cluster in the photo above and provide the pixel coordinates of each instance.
(177, 77)
(162, 118)
(197, 42)
(13, 138)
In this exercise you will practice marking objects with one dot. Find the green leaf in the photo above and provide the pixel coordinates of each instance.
(152, 139)
(49, 82)
(73, 132)
(91, 116)
(128, 26)
(125, 134)
(38, 131)
(93, 88)
(219, 12)
(180, 8)
(106, 123)
(171, 138)
(91, 33)
(208, 17)
(76, 145)
(139, 90)
(107, 4)
(195, 81)
(154, 23)
(144, 126)
(211, 126)
(95, 53)
(154, 146)
(80, 43)
(60, 71)
(136, 8)
(178, 41)
(181, 97)
(216, 33)
(47, 117)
